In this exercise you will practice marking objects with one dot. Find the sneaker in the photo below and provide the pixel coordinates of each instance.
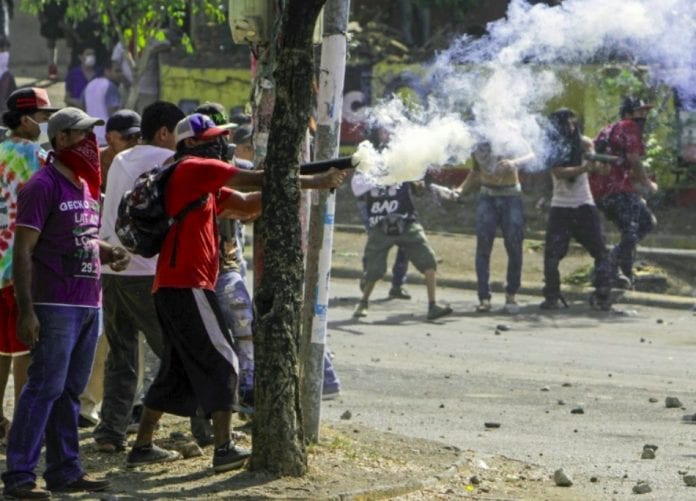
(621, 281)
(511, 305)
(550, 303)
(52, 72)
(85, 422)
(553, 303)
(360, 309)
(484, 306)
(399, 293)
(435, 311)
(26, 491)
(85, 484)
(229, 457)
(146, 454)
(109, 446)
(600, 301)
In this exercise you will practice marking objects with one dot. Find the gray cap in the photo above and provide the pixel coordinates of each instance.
(70, 118)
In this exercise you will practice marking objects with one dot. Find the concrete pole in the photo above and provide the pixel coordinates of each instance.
(318, 260)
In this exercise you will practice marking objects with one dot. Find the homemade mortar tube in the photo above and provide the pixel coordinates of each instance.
(340, 163)
(601, 157)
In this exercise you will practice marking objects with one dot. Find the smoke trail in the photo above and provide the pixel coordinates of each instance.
(495, 88)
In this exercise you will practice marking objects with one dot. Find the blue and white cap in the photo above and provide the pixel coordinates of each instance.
(200, 126)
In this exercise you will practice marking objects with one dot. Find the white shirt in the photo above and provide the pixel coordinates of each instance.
(124, 170)
(101, 95)
(571, 192)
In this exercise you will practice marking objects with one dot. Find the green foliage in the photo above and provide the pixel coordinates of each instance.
(580, 276)
(136, 20)
(458, 7)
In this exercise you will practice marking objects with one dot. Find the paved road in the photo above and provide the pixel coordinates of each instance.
(443, 380)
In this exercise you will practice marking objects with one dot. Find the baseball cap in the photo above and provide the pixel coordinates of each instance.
(200, 126)
(70, 118)
(242, 134)
(216, 112)
(29, 100)
(125, 122)
(630, 104)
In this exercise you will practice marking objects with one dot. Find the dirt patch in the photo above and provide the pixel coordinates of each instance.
(351, 462)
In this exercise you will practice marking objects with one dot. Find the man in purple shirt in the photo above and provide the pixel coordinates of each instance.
(56, 265)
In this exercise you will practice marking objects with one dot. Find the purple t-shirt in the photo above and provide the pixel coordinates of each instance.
(76, 81)
(66, 267)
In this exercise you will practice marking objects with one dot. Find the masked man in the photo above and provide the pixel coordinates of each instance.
(618, 194)
(56, 263)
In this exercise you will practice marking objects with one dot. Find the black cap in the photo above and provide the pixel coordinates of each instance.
(29, 99)
(215, 111)
(629, 104)
(125, 122)
(242, 134)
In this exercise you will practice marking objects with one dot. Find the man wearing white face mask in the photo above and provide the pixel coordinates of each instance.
(20, 156)
(79, 76)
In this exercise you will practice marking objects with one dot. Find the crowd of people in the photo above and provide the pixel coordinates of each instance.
(190, 304)
(583, 185)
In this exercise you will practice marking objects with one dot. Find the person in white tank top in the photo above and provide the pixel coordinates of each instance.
(573, 212)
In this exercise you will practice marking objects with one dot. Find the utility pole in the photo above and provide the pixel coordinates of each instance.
(321, 226)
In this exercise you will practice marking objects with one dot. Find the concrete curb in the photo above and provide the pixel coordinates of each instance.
(687, 257)
(534, 289)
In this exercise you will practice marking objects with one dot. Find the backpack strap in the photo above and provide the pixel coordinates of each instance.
(178, 217)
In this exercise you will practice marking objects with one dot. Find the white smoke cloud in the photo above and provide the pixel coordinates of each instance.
(495, 88)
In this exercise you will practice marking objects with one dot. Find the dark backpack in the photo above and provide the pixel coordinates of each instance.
(603, 139)
(142, 223)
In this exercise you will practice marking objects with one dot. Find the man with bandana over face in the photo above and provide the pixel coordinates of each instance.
(199, 368)
(618, 194)
(56, 266)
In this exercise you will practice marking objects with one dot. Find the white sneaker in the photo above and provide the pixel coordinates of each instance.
(511, 305)
(360, 310)
(484, 306)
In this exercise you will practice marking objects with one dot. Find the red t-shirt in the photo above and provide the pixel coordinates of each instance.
(196, 263)
(626, 139)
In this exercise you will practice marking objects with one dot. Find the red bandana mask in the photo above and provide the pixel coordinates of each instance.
(83, 159)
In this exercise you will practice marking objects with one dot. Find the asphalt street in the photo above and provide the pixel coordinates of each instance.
(443, 380)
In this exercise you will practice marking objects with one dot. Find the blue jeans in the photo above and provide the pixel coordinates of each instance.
(634, 220)
(508, 213)
(49, 404)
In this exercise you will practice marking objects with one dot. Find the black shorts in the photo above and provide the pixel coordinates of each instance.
(199, 366)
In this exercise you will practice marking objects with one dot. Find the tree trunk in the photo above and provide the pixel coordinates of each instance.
(278, 441)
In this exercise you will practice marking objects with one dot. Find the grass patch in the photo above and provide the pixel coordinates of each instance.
(580, 276)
